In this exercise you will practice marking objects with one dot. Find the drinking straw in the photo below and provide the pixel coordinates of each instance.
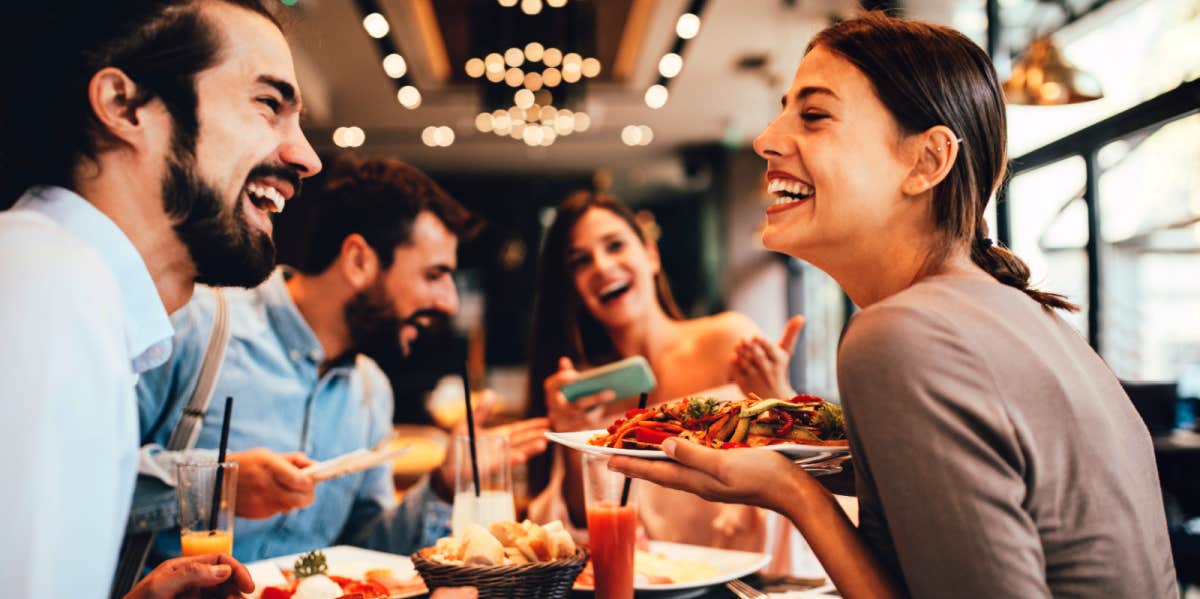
(470, 428)
(628, 481)
(216, 500)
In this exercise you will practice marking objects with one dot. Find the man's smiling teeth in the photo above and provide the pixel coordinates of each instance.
(789, 190)
(266, 192)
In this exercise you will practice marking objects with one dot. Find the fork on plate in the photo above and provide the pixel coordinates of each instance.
(743, 590)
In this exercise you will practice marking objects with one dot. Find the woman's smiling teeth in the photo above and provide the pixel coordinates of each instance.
(787, 191)
(265, 197)
(613, 290)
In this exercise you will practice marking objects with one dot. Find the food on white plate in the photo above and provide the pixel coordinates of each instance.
(311, 577)
(657, 568)
(752, 422)
(505, 543)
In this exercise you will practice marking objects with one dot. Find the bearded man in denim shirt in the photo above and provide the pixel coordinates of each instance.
(380, 266)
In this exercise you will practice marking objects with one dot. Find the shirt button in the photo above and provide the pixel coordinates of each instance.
(295, 354)
(314, 355)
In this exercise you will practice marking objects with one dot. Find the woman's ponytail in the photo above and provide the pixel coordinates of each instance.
(1007, 268)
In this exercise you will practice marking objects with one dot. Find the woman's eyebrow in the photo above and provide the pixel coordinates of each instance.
(808, 91)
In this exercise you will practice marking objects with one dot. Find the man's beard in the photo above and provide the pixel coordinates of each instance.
(226, 250)
(375, 326)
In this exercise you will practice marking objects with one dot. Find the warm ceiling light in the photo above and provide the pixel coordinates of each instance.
(516, 113)
(533, 135)
(533, 81)
(552, 57)
(551, 77)
(571, 75)
(548, 114)
(670, 65)
(523, 99)
(656, 96)
(573, 60)
(514, 77)
(494, 63)
(508, 3)
(533, 51)
(556, 3)
(564, 124)
(484, 122)
(1043, 77)
(428, 136)
(591, 67)
(501, 122)
(409, 97)
(444, 136)
(394, 66)
(548, 135)
(687, 26)
(495, 76)
(631, 135)
(647, 135)
(349, 137)
(514, 57)
(376, 25)
(543, 97)
(582, 121)
(531, 7)
(518, 130)
(475, 68)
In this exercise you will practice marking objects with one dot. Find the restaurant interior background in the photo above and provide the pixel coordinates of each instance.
(658, 101)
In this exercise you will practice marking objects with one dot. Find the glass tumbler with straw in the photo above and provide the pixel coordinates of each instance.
(207, 498)
(612, 526)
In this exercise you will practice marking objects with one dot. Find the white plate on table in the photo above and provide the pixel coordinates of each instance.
(343, 560)
(730, 565)
(799, 453)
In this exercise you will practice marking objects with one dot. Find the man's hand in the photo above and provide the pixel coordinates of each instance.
(760, 367)
(270, 483)
(211, 575)
(747, 476)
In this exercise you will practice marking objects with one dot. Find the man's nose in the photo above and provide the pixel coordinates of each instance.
(297, 153)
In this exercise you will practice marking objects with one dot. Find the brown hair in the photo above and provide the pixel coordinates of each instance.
(927, 75)
(562, 326)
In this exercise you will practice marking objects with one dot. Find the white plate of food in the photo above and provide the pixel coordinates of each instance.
(348, 570)
(801, 454)
(675, 567)
(802, 427)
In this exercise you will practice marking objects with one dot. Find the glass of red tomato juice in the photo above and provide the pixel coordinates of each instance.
(612, 526)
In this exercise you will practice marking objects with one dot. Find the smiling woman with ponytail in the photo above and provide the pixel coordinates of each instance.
(995, 453)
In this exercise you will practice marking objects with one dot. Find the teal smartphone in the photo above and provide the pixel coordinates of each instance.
(626, 378)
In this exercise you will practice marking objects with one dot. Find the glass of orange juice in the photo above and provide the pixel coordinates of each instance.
(612, 527)
(199, 531)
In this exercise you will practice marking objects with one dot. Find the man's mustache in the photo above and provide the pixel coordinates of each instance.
(278, 171)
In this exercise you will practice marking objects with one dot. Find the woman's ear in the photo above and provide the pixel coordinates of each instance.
(358, 262)
(936, 150)
(652, 254)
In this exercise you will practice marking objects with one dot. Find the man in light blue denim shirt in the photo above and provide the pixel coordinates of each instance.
(379, 269)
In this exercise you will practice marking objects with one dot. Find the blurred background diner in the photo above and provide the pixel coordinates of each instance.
(512, 105)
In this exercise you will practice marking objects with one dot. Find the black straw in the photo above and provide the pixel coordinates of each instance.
(628, 481)
(216, 500)
(470, 428)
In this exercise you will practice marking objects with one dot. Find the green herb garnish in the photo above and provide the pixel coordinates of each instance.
(832, 423)
(310, 564)
(699, 407)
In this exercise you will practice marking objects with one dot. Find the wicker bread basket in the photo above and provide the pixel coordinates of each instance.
(539, 580)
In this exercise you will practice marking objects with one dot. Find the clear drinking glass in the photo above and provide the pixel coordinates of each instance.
(198, 532)
(612, 526)
(495, 499)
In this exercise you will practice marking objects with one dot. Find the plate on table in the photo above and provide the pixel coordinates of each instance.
(797, 452)
(726, 564)
(345, 561)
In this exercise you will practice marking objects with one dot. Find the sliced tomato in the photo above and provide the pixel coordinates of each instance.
(369, 589)
(805, 398)
(276, 593)
(649, 435)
